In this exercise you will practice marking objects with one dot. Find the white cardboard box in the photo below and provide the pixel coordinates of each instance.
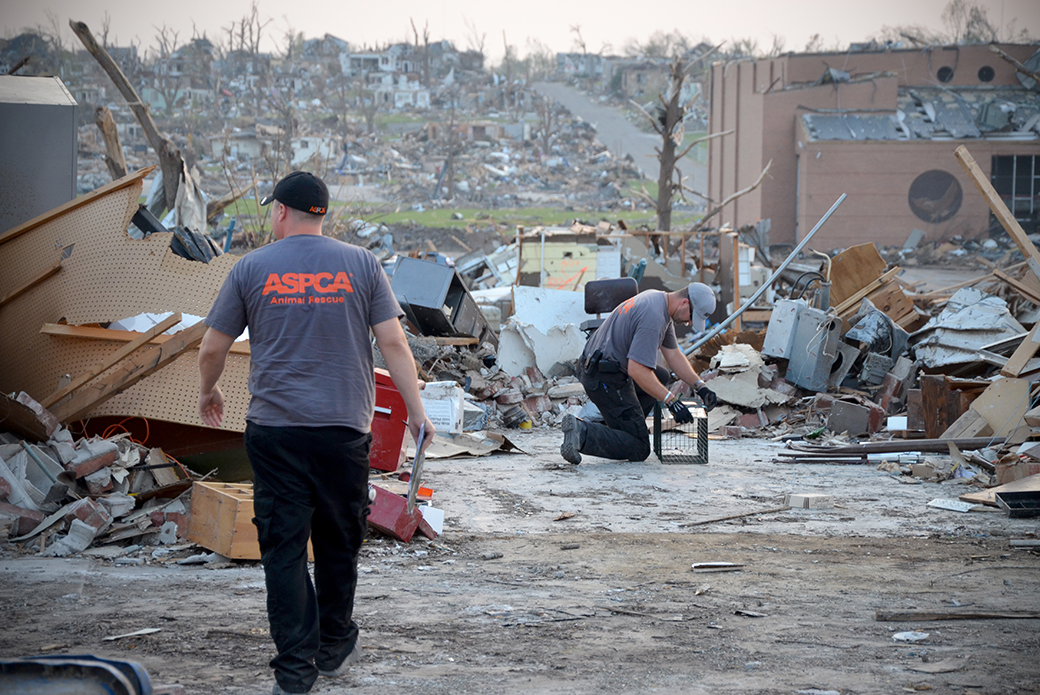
(442, 401)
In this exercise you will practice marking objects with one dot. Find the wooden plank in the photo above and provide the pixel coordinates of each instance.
(758, 315)
(20, 420)
(933, 400)
(989, 497)
(74, 204)
(853, 269)
(31, 283)
(915, 616)
(109, 362)
(1000, 210)
(891, 300)
(970, 424)
(1023, 353)
(1021, 287)
(94, 333)
(155, 359)
(853, 300)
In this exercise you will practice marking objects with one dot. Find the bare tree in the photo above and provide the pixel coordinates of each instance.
(967, 22)
(548, 122)
(165, 81)
(423, 50)
(475, 39)
(367, 101)
(668, 122)
(540, 63)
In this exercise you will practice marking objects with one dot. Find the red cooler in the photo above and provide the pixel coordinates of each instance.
(388, 424)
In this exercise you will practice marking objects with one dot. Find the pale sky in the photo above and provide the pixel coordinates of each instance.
(550, 22)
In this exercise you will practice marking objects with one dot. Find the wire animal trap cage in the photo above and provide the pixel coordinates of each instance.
(681, 443)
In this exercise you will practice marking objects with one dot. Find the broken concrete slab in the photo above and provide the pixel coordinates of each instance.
(542, 331)
(741, 387)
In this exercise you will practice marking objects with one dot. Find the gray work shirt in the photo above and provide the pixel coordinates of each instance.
(309, 302)
(637, 329)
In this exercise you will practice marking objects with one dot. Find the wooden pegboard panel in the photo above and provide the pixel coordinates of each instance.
(106, 275)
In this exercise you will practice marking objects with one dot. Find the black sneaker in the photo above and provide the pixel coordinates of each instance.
(573, 428)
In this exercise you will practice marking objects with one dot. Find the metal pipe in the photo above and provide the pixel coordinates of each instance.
(769, 283)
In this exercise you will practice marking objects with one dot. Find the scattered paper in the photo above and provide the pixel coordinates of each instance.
(944, 666)
(952, 505)
(137, 633)
(910, 636)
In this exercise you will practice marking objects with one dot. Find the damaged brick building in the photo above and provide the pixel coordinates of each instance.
(883, 125)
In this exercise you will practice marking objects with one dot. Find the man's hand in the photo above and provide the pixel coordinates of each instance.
(413, 427)
(211, 407)
(680, 412)
(707, 396)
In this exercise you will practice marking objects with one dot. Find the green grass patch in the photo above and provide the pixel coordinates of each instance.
(700, 152)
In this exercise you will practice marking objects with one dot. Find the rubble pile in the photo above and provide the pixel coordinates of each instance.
(67, 494)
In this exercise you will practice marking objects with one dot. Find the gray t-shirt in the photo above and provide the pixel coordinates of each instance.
(309, 302)
(637, 329)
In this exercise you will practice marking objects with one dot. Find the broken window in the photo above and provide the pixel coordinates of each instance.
(1017, 181)
(935, 196)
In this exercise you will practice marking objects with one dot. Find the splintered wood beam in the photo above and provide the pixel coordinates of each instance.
(142, 365)
(1000, 210)
(94, 333)
(1023, 353)
(31, 284)
(1023, 289)
(110, 361)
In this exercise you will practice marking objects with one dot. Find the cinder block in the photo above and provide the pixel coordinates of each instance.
(89, 512)
(91, 456)
(99, 482)
(509, 396)
(891, 386)
(854, 418)
(389, 514)
(538, 404)
(28, 519)
(809, 500)
(753, 421)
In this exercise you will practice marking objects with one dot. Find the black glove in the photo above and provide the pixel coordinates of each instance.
(680, 412)
(708, 397)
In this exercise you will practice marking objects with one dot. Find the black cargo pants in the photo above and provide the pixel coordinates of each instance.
(309, 483)
(624, 407)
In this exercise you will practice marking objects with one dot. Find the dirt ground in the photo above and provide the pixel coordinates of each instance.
(512, 598)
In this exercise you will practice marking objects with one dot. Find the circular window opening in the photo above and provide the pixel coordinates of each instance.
(986, 74)
(935, 196)
(945, 74)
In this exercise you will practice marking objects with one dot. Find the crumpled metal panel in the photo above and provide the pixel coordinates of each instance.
(851, 127)
(971, 320)
(956, 119)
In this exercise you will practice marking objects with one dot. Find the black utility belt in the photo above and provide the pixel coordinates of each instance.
(595, 363)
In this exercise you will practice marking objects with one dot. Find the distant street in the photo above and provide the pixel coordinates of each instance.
(621, 136)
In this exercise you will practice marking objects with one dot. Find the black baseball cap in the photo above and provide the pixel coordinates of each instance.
(301, 190)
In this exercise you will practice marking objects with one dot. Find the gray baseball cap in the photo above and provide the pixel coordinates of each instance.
(702, 304)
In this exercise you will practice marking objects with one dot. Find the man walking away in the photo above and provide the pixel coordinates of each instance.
(309, 303)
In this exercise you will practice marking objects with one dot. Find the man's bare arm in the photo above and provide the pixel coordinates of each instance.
(399, 362)
(647, 380)
(213, 352)
(681, 366)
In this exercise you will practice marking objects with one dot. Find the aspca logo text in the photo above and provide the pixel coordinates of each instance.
(297, 283)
